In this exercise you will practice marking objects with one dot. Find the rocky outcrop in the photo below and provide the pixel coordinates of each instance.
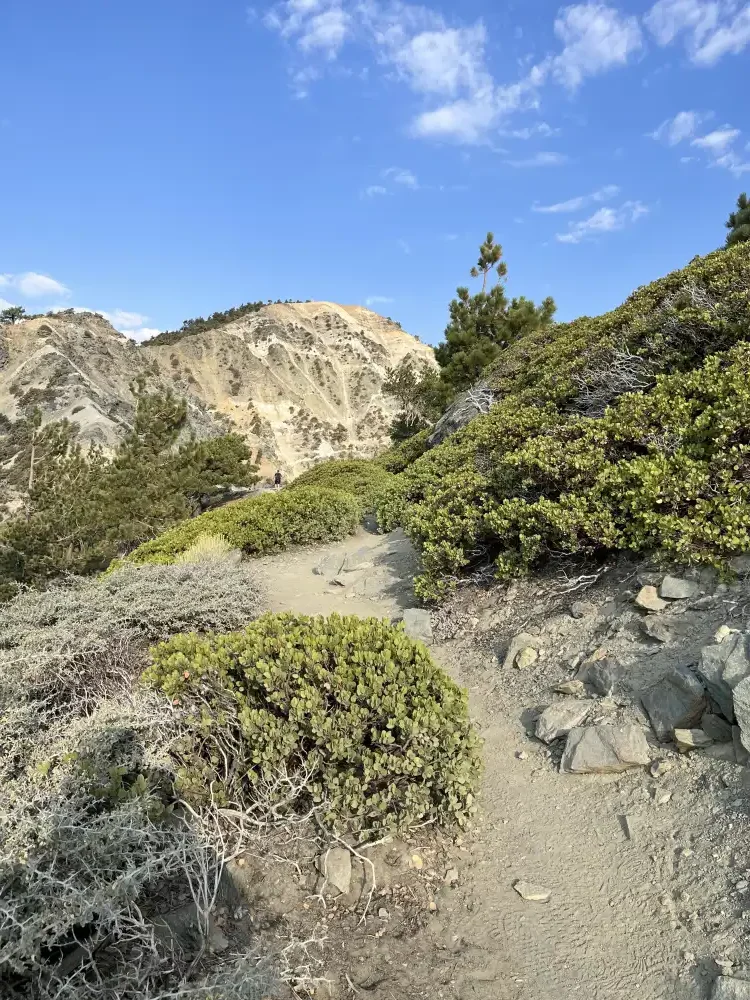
(302, 382)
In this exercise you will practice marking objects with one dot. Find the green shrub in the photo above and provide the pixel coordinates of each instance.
(380, 732)
(401, 455)
(261, 525)
(666, 472)
(363, 478)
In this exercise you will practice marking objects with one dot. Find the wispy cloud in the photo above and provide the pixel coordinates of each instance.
(529, 131)
(581, 201)
(404, 247)
(31, 285)
(374, 191)
(683, 126)
(400, 176)
(604, 220)
(541, 160)
(718, 145)
(378, 300)
(440, 60)
(710, 29)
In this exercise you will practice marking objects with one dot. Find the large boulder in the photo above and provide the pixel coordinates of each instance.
(728, 988)
(677, 701)
(418, 625)
(722, 667)
(461, 412)
(604, 749)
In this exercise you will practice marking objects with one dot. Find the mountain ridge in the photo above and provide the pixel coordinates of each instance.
(301, 381)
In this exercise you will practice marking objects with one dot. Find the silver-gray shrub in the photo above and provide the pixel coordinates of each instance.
(89, 845)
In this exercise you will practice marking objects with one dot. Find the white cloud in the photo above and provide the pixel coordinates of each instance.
(416, 45)
(718, 141)
(141, 334)
(576, 204)
(31, 285)
(4, 304)
(400, 176)
(378, 300)
(529, 131)
(374, 190)
(717, 144)
(710, 29)
(541, 160)
(682, 126)
(596, 38)
(404, 246)
(604, 220)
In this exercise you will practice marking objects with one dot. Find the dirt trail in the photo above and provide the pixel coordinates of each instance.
(614, 927)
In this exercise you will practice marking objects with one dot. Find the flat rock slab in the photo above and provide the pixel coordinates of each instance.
(532, 893)
(691, 739)
(560, 718)
(648, 600)
(357, 560)
(600, 675)
(674, 589)
(716, 727)
(604, 749)
(722, 667)
(336, 867)
(727, 988)
(418, 625)
(741, 705)
(677, 701)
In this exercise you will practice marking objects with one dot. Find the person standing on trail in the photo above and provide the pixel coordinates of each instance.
(277, 479)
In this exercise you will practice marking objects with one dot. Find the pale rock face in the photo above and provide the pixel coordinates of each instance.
(302, 382)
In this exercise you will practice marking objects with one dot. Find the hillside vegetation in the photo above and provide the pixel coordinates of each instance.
(625, 431)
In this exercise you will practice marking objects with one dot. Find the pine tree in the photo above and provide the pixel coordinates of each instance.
(482, 325)
(738, 222)
(12, 314)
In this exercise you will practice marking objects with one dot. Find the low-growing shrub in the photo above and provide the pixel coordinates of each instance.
(381, 733)
(208, 548)
(91, 849)
(361, 477)
(666, 472)
(261, 525)
(401, 455)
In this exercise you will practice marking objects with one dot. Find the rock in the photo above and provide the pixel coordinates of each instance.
(418, 624)
(677, 701)
(383, 913)
(650, 578)
(630, 826)
(604, 749)
(336, 867)
(740, 565)
(721, 751)
(572, 687)
(717, 728)
(657, 628)
(722, 667)
(741, 753)
(648, 599)
(217, 942)
(704, 603)
(462, 411)
(599, 675)
(416, 861)
(728, 988)
(663, 798)
(691, 739)
(524, 640)
(560, 718)
(357, 560)
(330, 567)
(451, 876)
(674, 589)
(532, 893)
(526, 658)
(741, 706)
(660, 767)
(582, 609)
(723, 632)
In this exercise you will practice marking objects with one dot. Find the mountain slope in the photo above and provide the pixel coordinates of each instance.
(301, 381)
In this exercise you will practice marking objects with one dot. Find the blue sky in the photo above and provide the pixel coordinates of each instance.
(164, 159)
